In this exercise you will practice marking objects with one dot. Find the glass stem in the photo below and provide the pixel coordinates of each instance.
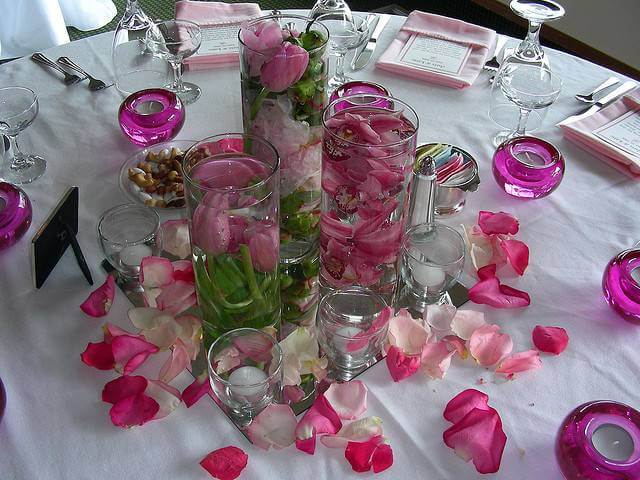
(340, 66)
(177, 76)
(522, 121)
(19, 159)
(530, 47)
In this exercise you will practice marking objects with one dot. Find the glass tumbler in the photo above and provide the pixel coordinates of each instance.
(128, 233)
(245, 371)
(351, 329)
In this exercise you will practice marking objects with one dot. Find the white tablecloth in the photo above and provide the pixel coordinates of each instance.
(57, 427)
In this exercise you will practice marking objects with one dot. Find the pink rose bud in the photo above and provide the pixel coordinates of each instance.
(285, 68)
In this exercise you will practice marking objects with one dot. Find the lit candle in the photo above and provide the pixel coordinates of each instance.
(133, 254)
(248, 382)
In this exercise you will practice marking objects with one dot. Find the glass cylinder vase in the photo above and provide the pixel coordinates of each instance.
(231, 189)
(367, 159)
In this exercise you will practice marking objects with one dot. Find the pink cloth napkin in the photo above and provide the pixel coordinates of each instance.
(581, 133)
(481, 40)
(212, 15)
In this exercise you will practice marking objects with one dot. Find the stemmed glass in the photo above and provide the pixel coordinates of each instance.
(346, 32)
(530, 87)
(175, 40)
(18, 109)
(329, 6)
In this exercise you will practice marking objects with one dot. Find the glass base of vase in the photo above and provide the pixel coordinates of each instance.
(189, 93)
(31, 168)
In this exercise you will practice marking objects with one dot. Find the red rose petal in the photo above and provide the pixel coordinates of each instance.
(225, 463)
(372, 453)
(463, 403)
(490, 292)
(123, 387)
(321, 418)
(517, 253)
(98, 355)
(497, 223)
(401, 366)
(100, 300)
(194, 392)
(133, 410)
(382, 458)
(550, 339)
(130, 352)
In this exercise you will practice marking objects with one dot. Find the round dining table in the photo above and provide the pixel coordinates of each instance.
(55, 425)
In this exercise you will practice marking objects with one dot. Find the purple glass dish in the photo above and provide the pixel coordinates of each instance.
(151, 116)
(15, 214)
(621, 284)
(3, 400)
(600, 441)
(528, 167)
(361, 87)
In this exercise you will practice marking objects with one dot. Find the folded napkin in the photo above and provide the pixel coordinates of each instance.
(220, 23)
(583, 133)
(423, 50)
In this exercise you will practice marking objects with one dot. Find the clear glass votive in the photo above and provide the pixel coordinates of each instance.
(245, 371)
(128, 233)
(347, 329)
(528, 167)
(431, 262)
(621, 284)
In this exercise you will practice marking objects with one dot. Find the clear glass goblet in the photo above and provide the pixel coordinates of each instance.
(18, 109)
(346, 32)
(530, 87)
(329, 6)
(175, 40)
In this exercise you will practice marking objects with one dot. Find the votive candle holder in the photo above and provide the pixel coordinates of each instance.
(621, 284)
(361, 88)
(15, 214)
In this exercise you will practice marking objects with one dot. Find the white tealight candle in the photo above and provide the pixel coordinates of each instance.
(429, 277)
(635, 275)
(248, 382)
(342, 338)
(133, 254)
(613, 442)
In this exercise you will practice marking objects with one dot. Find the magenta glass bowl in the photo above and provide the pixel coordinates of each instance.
(151, 116)
(361, 87)
(15, 214)
(3, 400)
(621, 284)
(600, 441)
(528, 167)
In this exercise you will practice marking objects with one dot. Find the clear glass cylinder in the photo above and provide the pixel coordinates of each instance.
(367, 161)
(231, 189)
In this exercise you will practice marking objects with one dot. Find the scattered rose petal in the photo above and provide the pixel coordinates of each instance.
(176, 297)
(401, 366)
(489, 291)
(129, 352)
(520, 362)
(133, 410)
(406, 333)
(175, 238)
(465, 322)
(348, 399)
(361, 430)
(439, 317)
(155, 272)
(274, 426)
(457, 344)
(463, 403)
(292, 394)
(123, 387)
(550, 339)
(168, 397)
(372, 453)
(156, 326)
(488, 346)
(517, 253)
(501, 223)
(98, 355)
(176, 363)
(321, 418)
(198, 389)
(100, 300)
(225, 463)
(436, 358)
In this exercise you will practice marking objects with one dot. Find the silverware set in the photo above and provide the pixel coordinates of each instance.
(70, 78)
(375, 24)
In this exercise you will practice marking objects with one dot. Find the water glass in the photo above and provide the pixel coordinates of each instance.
(348, 331)
(245, 371)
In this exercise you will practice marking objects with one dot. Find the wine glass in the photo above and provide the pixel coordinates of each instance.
(175, 40)
(329, 6)
(530, 87)
(346, 32)
(18, 109)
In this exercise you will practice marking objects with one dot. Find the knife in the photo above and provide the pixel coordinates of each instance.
(372, 21)
(605, 101)
(365, 55)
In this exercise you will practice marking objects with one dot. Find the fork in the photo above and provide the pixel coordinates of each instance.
(94, 83)
(69, 79)
(591, 97)
(493, 64)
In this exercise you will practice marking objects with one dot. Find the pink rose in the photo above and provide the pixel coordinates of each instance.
(285, 68)
(262, 43)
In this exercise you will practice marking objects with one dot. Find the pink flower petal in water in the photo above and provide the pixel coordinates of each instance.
(372, 453)
(227, 359)
(123, 387)
(133, 410)
(129, 352)
(168, 397)
(401, 366)
(436, 358)
(255, 346)
(497, 223)
(210, 229)
(155, 272)
(98, 355)
(175, 238)
(550, 339)
(465, 322)
(463, 403)
(198, 388)
(348, 399)
(225, 463)
(176, 363)
(489, 291)
(274, 426)
(320, 419)
(488, 346)
(361, 430)
(517, 253)
(100, 300)
(177, 297)
(520, 362)
(478, 436)
(361, 339)
(439, 317)
(263, 246)
(407, 333)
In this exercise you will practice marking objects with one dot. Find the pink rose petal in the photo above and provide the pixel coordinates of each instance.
(372, 453)
(123, 387)
(111, 331)
(129, 352)
(176, 297)
(488, 346)
(436, 358)
(292, 394)
(550, 339)
(225, 463)
(133, 410)
(439, 317)
(361, 339)
(465, 322)
(497, 223)
(401, 366)
(457, 344)
(167, 397)
(489, 291)
(176, 363)
(406, 333)
(361, 430)
(98, 355)
(183, 271)
(463, 403)
(255, 346)
(100, 300)
(155, 272)
(198, 388)
(175, 238)
(348, 399)
(517, 253)
(321, 418)
(275, 427)
(520, 362)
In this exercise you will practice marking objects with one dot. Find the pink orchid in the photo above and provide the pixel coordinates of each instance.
(196, 390)
(374, 453)
(320, 419)
(361, 430)
(406, 333)
(129, 352)
(497, 223)
(176, 363)
(465, 322)
(550, 339)
(274, 426)
(520, 362)
(435, 358)
(491, 292)
(99, 355)
(348, 399)
(175, 238)
(463, 403)
(401, 366)
(263, 241)
(284, 68)
(488, 346)
(301, 356)
(225, 463)
(100, 300)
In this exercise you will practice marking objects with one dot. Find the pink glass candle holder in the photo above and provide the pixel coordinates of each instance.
(15, 214)
(151, 116)
(600, 441)
(361, 87)
(3, 400)
(528, 167)
(621, 284)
